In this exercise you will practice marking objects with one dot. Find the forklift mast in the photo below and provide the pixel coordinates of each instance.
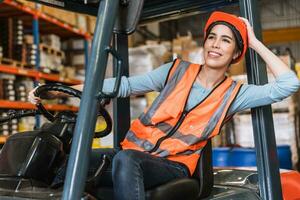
(115, 20)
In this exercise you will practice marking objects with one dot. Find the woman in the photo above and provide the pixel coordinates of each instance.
(194, 102)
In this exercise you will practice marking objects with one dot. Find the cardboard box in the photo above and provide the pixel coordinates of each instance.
(82, 22)
(78, 60)
(30, 4)
(64, 16)
(91, 23)
(73, 44)
(283, 126)
(183, 43)
(52, 41)
(145, 58)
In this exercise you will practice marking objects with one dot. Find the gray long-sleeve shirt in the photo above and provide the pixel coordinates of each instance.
(249, 95)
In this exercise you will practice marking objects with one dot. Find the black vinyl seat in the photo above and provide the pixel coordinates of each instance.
(197, 187)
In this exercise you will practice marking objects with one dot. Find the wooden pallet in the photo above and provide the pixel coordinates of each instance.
(52, 51)
(14, 63)
(10, 62)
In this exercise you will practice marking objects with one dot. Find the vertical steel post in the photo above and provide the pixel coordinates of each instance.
(86, 53)
(121, 106)
(263, 128)
(36, 38)
(85, 126)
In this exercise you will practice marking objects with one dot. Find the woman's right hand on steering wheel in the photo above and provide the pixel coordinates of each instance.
(35, 100)
(32, 98)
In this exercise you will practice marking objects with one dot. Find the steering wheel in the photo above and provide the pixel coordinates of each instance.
(43, 89)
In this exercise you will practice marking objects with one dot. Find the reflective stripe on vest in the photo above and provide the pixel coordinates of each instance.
(160, 129)
(178, 74)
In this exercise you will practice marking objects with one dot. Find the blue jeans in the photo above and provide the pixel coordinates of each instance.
(132, 172)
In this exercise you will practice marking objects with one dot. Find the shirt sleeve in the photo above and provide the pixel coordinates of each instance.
(141, 84)
(251, 96)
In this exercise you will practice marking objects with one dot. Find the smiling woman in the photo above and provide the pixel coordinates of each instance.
(220, 45)
(225, 43)
(165, 142)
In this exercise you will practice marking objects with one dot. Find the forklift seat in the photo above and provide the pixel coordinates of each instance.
(197, 187)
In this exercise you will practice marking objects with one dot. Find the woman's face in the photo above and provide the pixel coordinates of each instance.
(220, 47)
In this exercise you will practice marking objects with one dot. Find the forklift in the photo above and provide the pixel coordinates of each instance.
(116, 19)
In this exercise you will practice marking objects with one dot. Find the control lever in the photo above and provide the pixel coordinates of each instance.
(96, 178)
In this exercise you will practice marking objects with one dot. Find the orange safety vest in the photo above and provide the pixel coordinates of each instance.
(167, 130)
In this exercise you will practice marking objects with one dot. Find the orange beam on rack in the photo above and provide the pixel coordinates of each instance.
(36, 74)
(20, 6)
(57, 107)
(54, 77)
(39, 14)
(281, 35)
(17, 71)
(25, 105)
(63, 25)
(16, 105)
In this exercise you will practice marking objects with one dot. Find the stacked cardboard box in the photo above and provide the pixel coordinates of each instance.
(182, 45)
(50, 63)
(62, 15)
(284, 126)
(82, 22)
(51, 55)
(145, 58)
(91, 23)
(74, 49)
(29, 4)
(51, 40)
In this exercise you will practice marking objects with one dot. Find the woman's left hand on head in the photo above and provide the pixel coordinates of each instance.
(251, 35)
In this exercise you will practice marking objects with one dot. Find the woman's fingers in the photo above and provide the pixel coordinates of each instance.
(32, 98)
(251, 35)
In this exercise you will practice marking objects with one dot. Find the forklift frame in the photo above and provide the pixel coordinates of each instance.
(263, 128)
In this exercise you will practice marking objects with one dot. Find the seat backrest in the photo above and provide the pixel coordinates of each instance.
(33, 155)
(204, 171)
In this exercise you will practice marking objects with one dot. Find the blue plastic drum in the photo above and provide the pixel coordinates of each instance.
(285, 157)
(246, 157)
(221, 156)
(241, 157)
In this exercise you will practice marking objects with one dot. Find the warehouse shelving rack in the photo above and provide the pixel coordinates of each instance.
(47, 23)
(36, 74)
(262, 119)
(41, 23)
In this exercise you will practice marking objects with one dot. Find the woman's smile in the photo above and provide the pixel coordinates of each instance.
(214, 54)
